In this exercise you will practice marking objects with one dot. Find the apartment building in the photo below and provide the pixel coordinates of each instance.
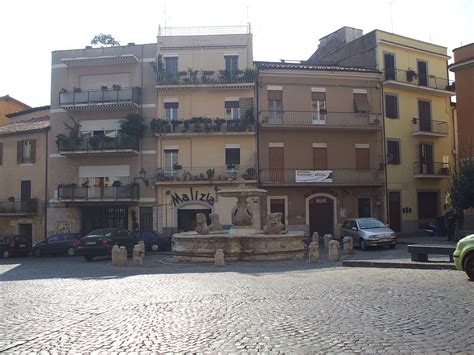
(205, 123)
(419, 134)
(99, 156)
(8, 105)
(23, 161)
(320, 144)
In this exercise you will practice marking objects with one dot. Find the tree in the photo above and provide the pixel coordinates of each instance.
(462, 185)
(104, 40)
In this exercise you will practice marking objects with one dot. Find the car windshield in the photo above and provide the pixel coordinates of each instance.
(104, 232)
(370, 223)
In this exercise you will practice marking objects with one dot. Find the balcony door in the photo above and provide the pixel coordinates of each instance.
(276, 156)
(422, 73)
(25, 190)
(426, 158)
(424, 113)
(389, 66)
(171, 160)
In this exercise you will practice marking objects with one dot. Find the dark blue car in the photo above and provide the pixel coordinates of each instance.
(58, 244)
(154, 241)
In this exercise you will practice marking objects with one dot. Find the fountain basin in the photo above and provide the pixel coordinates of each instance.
(191, 246)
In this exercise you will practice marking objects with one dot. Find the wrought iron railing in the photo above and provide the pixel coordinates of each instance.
(207, 77)
(322, 119)
(429, 126)
(19, 207)
(78, 193)
(423, 80)
(217, 173)
(431, 169)
(333, 177)
(93, 97)
(203, 124)
(100, 144)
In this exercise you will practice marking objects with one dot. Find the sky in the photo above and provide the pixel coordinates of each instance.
(30, 29)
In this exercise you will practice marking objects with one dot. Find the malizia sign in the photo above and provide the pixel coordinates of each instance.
(192, 195)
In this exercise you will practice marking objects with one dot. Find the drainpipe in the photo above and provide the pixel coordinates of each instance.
(257, 143)
(46, 188)
(384, 155)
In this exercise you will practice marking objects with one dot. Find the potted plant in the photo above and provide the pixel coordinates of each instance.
(175, 124)
(85, 183)
(94, 142)
(186, 125)
(210, 173)
(177, 166)
(116, 183)
(104, 88)
(116, 87)
(411, 74)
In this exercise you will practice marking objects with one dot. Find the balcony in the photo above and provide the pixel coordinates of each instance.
(19, 208)
(431, 170)
(321, 121)
(410, 80)
(100, 146)
(203, 126)
(429, 128)
(76, 193)
(100, 100)
(339, 177)
(205, 175)
(207, 79)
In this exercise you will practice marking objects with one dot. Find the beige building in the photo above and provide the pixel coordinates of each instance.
(98, 168)
(320, 147)
(23, 159)
(205, 130)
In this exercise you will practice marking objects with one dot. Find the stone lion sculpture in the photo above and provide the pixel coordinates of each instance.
(274, 225)
(216, 225)
(201, 224)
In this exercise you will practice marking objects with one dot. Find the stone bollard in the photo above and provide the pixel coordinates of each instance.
(137, 255)
(313, 256)
(115, 254)
(141, 243)
(327, 238)
(219, 259)
(348, 245)
(334, 250)
(315, 238)
(122, 259)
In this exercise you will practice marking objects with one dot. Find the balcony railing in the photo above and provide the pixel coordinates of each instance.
(321, 177)
(99, 97)
(98, 193)
(414, 78)
(28, 207)
(207, 77)
(206, 174)
(429, 127)
(321, 119)
(202, 125)
(431, 169)
(100, 144)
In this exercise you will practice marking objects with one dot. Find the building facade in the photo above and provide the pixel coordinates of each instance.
(9, 105)
(204, 127)
(419, 132)
(99, 156)
(320, 144)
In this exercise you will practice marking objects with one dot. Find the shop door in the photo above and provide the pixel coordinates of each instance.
(95, 217)
(427, 208)
(276, 164)
(394, 207)
(187, 218)
(321, 216)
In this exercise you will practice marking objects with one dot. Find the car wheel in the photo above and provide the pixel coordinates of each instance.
(37, 253)
(155, 247)
(88, 257)
(468, 266)
(6, 254)
(392, 246)
(71, 251)
(362, 244)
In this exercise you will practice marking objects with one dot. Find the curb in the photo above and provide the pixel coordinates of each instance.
(398, 265)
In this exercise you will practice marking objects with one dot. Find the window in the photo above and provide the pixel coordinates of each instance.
(361, 103)
(389, 66)
(393, 152)
(391, 106)
(275, 106)
(171, 110)
(171, 68)
(319, 107)
(171, 159)
(232, 156)
(231, 62)
(232, 110)
(26, 151)
(422, 72)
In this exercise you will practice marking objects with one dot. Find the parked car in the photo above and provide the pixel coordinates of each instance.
(14, 245)
(464, 256)
(154, 241)
(100, 242)
(64, 243)
(368, 232)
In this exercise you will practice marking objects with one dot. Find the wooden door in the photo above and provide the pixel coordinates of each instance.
(321, 216)
(424, 113)
(276, 156)
(394, 207)
(362, 159)
(320, 159)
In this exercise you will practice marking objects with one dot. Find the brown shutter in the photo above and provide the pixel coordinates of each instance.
(19, 152)
(231, 104)
(1, 153)
(276, 157)
(362, 159)
(361, 103)
(33, 150)
(275, 95)
(318, 96)
(171, 104)
(393, 152)
(391, 106)
(320, 158)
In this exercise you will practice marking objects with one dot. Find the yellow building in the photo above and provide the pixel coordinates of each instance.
(419, 134)
(8, 105)
(205, 127)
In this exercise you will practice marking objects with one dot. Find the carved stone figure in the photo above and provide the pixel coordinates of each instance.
(313, 255)
(274, 225)
(201, 224)
(242, 214)
(215, 224)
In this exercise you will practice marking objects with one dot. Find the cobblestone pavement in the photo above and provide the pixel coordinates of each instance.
(70, 305)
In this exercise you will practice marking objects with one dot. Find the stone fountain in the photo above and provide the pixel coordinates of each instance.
(242, 242)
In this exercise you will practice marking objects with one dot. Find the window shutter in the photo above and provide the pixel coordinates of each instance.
(391, 106)
(171, 105)
(1, 153)
(33, 150)
(318, 96)
(19, 152)
(362, 159)
(361, 103)
(393, 152)
(246, 104)
(275, 95)
(231, 104)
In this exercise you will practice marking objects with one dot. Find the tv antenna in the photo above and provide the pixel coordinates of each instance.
(391, 14)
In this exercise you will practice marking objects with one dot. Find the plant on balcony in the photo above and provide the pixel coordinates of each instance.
(218, 123)
(207, 124)
(133, 125)
(411, 74)
(187, 175)
(247, 121)
(116, 183)
(250, 74)
(73, 137)
(85, 183)
(177, 166)
(116, 87)
(186, 124)
(197, 123)
(159, 125)
(94, 142)
(175, 124)
(11, 199)
(210, 173)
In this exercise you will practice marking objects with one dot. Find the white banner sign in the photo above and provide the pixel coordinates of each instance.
(313, 176)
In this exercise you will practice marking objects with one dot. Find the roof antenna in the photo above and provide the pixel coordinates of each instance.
(391, 13)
